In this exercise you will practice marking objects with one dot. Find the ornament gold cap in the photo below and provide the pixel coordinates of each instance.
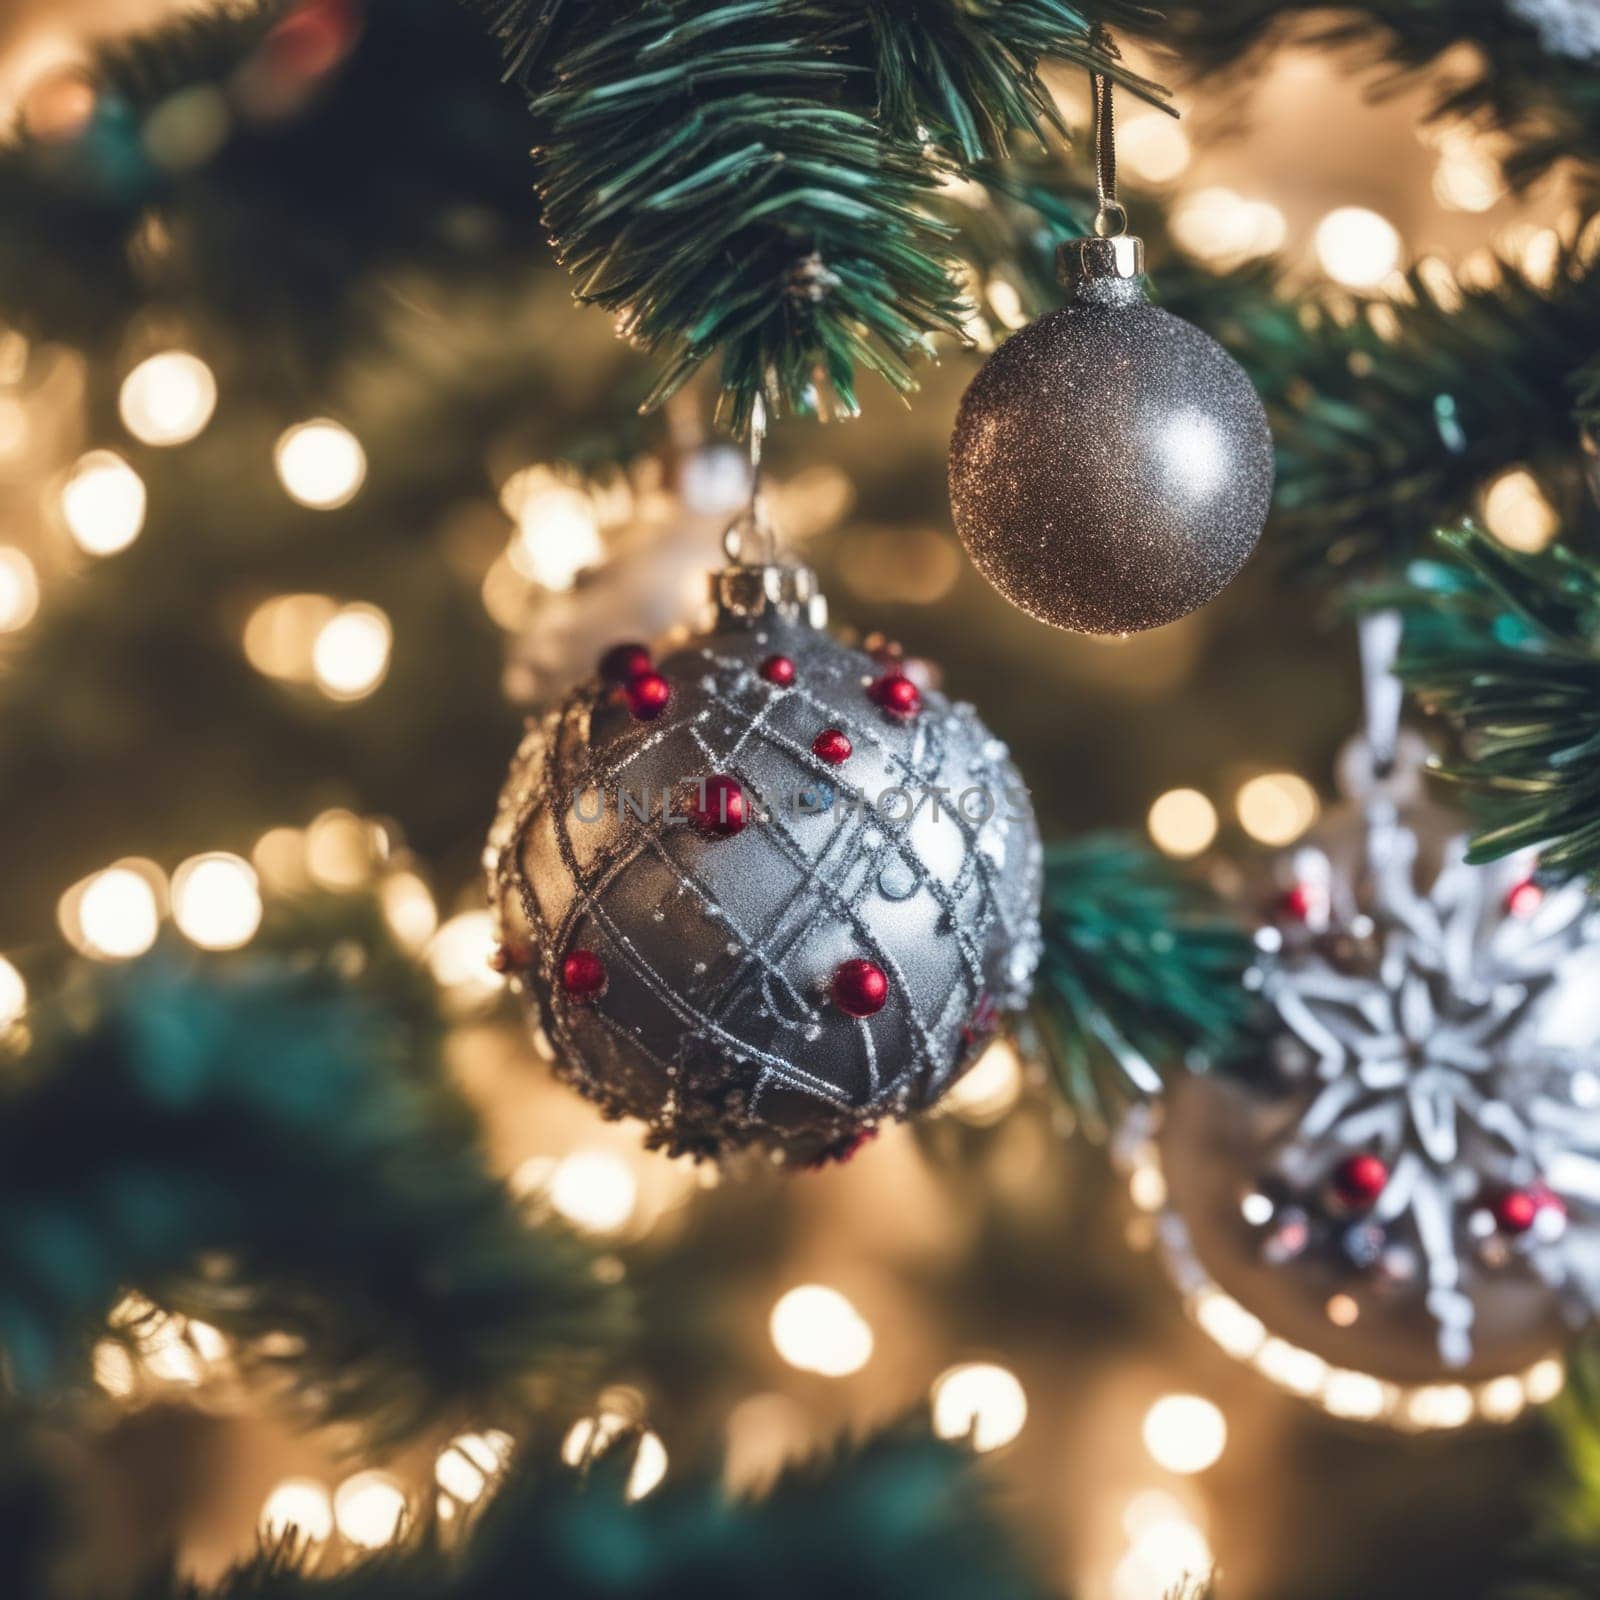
(746, 592)
(1083, 260)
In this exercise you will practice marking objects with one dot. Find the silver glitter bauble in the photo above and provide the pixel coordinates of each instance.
(770, 892)
(1405, 1188)
(1111, 468)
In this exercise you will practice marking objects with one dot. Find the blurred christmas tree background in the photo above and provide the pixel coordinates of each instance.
(314, 482)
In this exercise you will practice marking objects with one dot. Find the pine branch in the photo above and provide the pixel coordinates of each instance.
(249, 1142)
(1508, 647)
(1528, 79)
(897, 1518)
(1142, 971)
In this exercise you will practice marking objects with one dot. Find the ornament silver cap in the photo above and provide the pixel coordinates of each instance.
(746, 592)
(1117, 258)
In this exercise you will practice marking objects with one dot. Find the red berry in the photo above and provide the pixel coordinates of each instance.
(583, 975)
(860, 988)
(1516, 1210)
(831, 746)
(647, 696)
(622, 663)
(1306, 902)
(1359, 1180)
(778, 670)
(500, 959)
(897, 694)
(1525, 899)
(719, 806)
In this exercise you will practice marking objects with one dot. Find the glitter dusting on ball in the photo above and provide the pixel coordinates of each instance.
(809, 945)
(1111, 467)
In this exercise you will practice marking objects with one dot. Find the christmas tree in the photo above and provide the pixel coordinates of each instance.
(317, 1279)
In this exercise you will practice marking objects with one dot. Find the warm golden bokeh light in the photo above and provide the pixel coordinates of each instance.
(298, 1506)
(981, 1403)
(1153, 146)
(816, 1329)
(1183, 823)
(1518, 513)
(594, 1190)
(321, 464)
(350, 656)
(592, 1435)
(1357, 247)
(216, 901)
(370, 1509)
(13, 994)
(471, 1463)
(169, 398)
(103, 503)
(113, 915)
(1184, 1433)
(19, 590)
(1276, 808)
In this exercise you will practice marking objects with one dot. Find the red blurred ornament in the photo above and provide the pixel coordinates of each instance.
(832, 746)
(1359, 1180)
(860, 988)
(1525, 899)
(1516, 1210)
(1307, 902)
(622, 663)
(583, 975)
(313, 38)
(897, 695)
(778, 670)
(647, 696)
(719, 806)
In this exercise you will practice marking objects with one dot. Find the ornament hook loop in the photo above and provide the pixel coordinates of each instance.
(1111, 220)
(751, 538)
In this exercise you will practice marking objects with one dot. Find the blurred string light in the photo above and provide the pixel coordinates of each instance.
(321, 464)
(115, 914)
(1184, 1433)
(1154, 147)
(558, 527)
(592, 1435)
(1340, 1391)
(471, 1463)
(1183, 823)
(1167, 1549)
(280, 635)
(103, 503)
(985, 1093)
(169, 398)
(1357, 247)
(595, 1190)
(816, 1329)
(1518, 513)
(298, 1507)
(1468, 177)
(350, 655)
(19, 590)
(980, 1403)
(13, 995)
(1225, 228)
(409, 909)
(216, 901)
(369, 1510)
(188, 128)
(1276, 808)
(459, 957)
(343, 851)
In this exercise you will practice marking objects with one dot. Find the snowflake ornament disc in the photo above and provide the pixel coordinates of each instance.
(767, 891)
(1406, 1185)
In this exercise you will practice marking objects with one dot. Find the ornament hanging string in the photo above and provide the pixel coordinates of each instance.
(1111, 220)
(756, 518)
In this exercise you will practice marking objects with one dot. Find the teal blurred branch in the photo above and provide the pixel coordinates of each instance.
(1142, 972)
(254, 1143)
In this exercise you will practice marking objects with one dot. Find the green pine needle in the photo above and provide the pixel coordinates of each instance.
(896, 1518)
(1508, 647)
(1142, 971)
(252, 1142)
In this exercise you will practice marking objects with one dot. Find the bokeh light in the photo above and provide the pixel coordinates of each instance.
(1183, 823)
(216, 901)
(981, 1403)
(19, 590)
(370, 1509)
(558, 527)
(1357, 247)
(1276, 808)
(321, 464)
(103, 503)
(1227, 229)
(460, 953)
(1185, 1433)
(168, 399)
(1153, 146)
(299, 1506)
(594, 1190)
(591, 1435)
(13, 994)
(1518, 513)
(816, 1329)
(409, 909)
(350, 656)
(471, 1462)
(989, 1089)
(113, 915)
(342, 851)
